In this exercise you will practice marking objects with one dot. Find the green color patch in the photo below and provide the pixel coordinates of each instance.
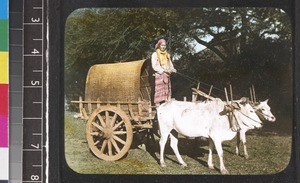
(3, 35)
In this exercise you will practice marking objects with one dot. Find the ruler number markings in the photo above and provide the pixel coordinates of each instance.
(35, 20)
(37, 146)
(35, 177)
(35, 83)
(35, 51)
(33, 14)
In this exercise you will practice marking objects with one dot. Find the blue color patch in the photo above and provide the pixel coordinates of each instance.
(3, 9)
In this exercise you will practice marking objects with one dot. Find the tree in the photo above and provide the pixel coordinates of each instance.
(244, 46)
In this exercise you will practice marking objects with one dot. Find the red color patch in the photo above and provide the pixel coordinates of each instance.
(4, 99)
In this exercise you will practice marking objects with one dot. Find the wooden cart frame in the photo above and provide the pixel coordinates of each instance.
(117, 104)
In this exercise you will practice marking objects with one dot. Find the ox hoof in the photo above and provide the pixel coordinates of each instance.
(212, 167)
(183, 165)
(246, 156)
(224, 172)
(163, 165)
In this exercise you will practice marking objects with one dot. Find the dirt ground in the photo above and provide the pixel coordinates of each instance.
(269, 154)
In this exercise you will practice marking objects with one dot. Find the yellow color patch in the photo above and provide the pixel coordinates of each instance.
(4, 67)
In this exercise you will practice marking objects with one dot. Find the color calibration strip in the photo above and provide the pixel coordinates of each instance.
(4, 151)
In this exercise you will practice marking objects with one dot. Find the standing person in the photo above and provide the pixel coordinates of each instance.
(163, 67)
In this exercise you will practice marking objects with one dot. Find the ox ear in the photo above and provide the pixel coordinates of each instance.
(266, 101)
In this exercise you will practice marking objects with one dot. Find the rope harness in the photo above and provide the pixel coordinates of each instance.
(250, 118)
(228, 109)
(195, 81)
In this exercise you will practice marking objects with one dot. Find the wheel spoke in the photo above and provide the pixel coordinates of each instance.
(117, 125)
(119, 132)
(109, 148)
(101, 120)
(107, 118)
(95, 133)
(98, 126)
(103, 146)
(118, 139)
(96, 143)
(114, 143)
(109, 132)
(113, 120)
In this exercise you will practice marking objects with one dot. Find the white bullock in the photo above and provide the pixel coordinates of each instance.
(263, 111)
(202, 119)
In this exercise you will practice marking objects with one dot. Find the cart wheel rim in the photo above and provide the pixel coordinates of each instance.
(109, 133)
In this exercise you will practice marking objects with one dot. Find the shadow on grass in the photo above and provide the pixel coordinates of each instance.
(193, 148)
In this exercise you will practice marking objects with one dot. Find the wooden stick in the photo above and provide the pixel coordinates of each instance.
(198, 85)
(203, 94)
(231, 92)
(84, 114)
(226, 95)
(210, 90)
(90, 108)
(98, 104)
(80, 105)
(140, 107)
(251, 97)
(194, 95)
(254, 93)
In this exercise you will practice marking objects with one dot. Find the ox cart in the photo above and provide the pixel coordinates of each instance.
(117, 104)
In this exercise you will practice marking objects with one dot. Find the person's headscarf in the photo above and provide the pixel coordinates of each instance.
(159, 42)
(162, 56)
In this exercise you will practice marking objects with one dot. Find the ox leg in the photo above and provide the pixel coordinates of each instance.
(238, 141)
(174, 146)
(162, 144)
(218, 145)
(243, 139)
(210, 151)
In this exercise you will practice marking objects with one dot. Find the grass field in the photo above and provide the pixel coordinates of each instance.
(269, 154)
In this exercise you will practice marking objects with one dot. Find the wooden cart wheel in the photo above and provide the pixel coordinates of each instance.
(109, 133)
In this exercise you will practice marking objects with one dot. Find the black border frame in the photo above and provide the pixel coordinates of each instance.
(59, 171)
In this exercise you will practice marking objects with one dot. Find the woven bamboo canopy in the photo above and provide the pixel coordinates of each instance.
(126, 81)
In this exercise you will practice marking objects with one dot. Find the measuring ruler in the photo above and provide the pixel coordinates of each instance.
(28, 90)
(34, 137)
